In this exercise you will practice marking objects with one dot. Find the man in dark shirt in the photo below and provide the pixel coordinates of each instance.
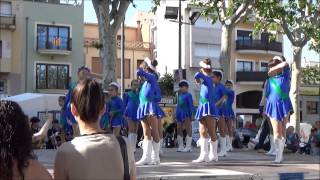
(54, 135)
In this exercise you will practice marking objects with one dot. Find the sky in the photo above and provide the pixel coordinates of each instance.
(145, 5)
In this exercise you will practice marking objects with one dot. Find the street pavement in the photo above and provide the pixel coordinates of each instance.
(239, 164)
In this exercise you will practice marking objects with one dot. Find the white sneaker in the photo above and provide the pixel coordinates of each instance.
(146, 155)
(180, 144)
(223, 148)
(204, 151)
(213, 155)
(188, 144)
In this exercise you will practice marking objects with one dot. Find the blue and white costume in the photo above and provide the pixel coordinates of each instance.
(147, 96)
(218, 92)
(228, 110)
(115, 106)
(185, 107)
(206, 106)
(131, 103)
(278, 104)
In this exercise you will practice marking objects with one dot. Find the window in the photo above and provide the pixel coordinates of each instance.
(96, 65)
(244, 35)
(3, 87)
(263, 67)
(5, 8)
(139, 62)
(244, 66)
(52, 76)
(126, 68)
(206, 50)
(312, 107)
(0, 49)
(53, 37)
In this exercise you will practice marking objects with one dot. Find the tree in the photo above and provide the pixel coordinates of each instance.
(310, 75)
(110, 15)
(229, 14)
(166, 84)
(299, 20)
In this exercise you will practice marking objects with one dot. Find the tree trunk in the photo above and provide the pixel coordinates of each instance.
(225, 55)
(295, 86)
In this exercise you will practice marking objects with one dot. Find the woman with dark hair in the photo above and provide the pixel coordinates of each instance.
(94, 154)
(16, 158)
(148, 112)
(278, 105)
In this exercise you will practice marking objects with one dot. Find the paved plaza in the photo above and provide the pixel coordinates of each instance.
(239, 164)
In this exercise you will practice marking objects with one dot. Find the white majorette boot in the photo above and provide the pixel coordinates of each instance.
(272, 151)
(146, 155)
(231, 140)
(204, 151)
(188, 144)
(228, 144)
(279, 150)
(160, 150)
(213, 153)
(223, 148)
(155, 155)
(135, 136)
(180, 144)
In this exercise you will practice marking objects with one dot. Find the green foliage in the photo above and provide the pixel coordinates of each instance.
(298, 19)
(96, 45)
(310, 75)
(156, 3)
(166, 84)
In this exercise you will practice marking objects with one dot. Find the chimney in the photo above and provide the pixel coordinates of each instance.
(139, 35)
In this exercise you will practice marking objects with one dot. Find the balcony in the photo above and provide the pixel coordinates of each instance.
(258, 46)
(54, 45)
(253, 76)
(7, 21)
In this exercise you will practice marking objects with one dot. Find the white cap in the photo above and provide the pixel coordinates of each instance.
(218, 70)
(204, 65)
(115, 84)
(148, 62)
(278, 58)
(229, 80)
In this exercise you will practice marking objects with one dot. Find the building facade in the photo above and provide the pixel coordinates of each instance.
(137, 47)
(249, 54)
(42, 47)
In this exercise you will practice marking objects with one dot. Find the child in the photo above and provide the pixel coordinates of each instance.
(104, 121)
(278, 105)
(147, 112)
(206, 114)
(115, 109)
(184, 112)
(131, 103)
(229, 113)
(219, 96)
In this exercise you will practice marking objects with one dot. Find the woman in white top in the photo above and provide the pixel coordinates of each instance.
(94, 154)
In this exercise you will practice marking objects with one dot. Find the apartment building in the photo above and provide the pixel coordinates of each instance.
(249, 54)
(42, 47)
(137, 47)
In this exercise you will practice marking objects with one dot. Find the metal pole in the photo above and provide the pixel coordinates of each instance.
(122, 59)
(180, 23)
(26, 57)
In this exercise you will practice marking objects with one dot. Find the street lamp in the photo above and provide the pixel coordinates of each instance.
(174, 13)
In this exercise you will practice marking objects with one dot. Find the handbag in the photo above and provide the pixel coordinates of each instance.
(124, 154)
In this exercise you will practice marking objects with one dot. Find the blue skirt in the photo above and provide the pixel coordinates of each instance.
(181, 116)
(117, 122)
(228, 113)
(278, 109)
(160, 112)
(147, 109)
(131, 113)
(207, 109)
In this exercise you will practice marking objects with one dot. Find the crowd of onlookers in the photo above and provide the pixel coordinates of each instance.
(295, 143)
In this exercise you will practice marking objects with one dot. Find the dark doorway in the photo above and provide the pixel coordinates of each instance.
(249, 99)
